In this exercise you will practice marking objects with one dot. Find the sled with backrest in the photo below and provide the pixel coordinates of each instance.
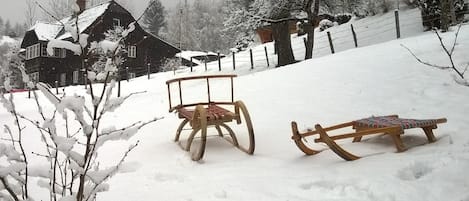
(209, 114)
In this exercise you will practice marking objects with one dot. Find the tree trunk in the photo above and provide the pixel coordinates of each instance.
(282, 39)
(309, 27)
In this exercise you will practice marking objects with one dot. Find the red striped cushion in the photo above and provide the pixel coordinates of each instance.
(386, 121)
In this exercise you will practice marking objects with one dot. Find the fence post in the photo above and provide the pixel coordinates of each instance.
(266, 56)
(29, 92)
(119, 86)
(354, 35)
(205, 61)
(191, 65)
(330, 42)
(219, 61)
(57, 87)
(234, 61)
(85, 79)
(252, 59)
(398, 28)
(148, 70)
(305, 42)
(127, 73)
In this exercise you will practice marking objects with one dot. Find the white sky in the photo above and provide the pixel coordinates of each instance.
(14, 10)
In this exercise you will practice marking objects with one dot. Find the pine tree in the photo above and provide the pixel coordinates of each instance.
(1, 26)
(154, 18)
(7, 28)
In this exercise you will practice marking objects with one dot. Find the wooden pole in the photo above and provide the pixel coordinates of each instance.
(119, 87)
(29, 93)
(191, 65)
(354, 35)
(266, 56)
(127, 73)
(205, 61)
(85, 78)
(330, 42)
(234, 61)
(252, 59)
(57, 87)
(219, 61)
(398, 28)
(148, 70)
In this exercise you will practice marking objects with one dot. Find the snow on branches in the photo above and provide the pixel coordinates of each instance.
(71, 133)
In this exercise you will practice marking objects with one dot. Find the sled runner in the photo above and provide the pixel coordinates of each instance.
(210, 114)
(390, 125)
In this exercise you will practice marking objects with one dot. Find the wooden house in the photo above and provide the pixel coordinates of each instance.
(145, 52)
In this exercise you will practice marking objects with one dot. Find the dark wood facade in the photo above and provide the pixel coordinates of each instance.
(67, 68)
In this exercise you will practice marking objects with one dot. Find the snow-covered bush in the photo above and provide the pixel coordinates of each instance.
(10, 66)
(71, 134)
(325, 24)
(112, 47)
(171, 64)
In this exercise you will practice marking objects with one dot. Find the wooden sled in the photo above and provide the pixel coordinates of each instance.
(390, 125)
(204, 115)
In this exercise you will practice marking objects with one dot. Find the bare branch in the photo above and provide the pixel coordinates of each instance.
(455, 39)
(8, 188)
(48, 13)
(424, 62)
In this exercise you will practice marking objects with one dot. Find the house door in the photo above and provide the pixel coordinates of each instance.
(63, 79)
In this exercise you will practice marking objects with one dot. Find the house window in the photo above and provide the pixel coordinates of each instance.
(34, 77)
(132, 51)
(63, 79)
(132, 75)
(44, 51)
(75, 77)
(33, 51)
(58, 52)
(116, 22)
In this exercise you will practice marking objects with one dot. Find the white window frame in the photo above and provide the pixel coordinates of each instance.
(76, 74)
(132, 51)
(33, 51)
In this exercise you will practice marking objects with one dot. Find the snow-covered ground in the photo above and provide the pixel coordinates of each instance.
(373, 80)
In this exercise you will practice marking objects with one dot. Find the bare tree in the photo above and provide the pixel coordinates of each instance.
(31, 14)
(460, 78)
(312, 21)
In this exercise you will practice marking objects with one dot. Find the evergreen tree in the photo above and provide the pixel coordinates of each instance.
(1, 26)
(154, 18)
(7, 28)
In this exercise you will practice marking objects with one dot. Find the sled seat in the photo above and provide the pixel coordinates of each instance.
(214, 113)
(390, 125)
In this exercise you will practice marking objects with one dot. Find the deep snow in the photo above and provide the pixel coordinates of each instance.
(374, 80)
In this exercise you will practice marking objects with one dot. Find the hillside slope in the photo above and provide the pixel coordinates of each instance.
(374, 80)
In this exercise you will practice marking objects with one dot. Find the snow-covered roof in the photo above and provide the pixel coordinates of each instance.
(85, 19)
(189, 54)
(46, 31)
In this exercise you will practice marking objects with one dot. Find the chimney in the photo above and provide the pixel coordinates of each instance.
(81, 4)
